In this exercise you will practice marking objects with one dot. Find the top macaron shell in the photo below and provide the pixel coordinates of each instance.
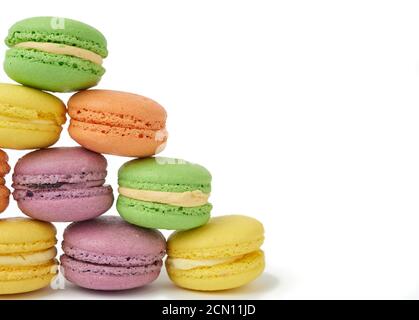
(118, 123)
(111, 236)
(63, 161)
(62, 184)
(51, 71)
(25, 235)
(164, 174)
(222, 237)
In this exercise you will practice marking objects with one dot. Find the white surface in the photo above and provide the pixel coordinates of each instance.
(305, 112)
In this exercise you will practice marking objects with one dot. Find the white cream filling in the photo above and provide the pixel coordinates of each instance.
(57, 48)
(182, 199)
(28, 259)
(188, 264)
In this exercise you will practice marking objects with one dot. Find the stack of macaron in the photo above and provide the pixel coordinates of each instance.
(68, 184)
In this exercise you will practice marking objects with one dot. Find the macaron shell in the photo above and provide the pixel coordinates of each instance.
(115, 141)
(105, 282)
(220, 277)
(41, 103)
(110, 235)
(51, 72)
(58, 30)
(223, 236)
(25, 285)
(137, 110)
(164, 174)
(25, 235)
(67, 210)
(22, 272)
(22, 139)
(15, 279)
(102, 277)
(162, 216)
(72, 160)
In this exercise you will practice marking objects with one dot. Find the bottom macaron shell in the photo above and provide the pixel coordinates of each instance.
(220, 277)
(102, 277)
(99, 138)
(43, 71)
(21, 139)
(25, 285)
(19, 279)
(67, 210)
(162, 216)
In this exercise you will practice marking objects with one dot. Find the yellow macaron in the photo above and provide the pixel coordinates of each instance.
(27, 255)
(29, 118)
(223, 254)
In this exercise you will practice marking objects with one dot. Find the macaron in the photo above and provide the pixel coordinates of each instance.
(223, 254)
(29, 118)
(55, 54)
(107, 253)
(27, 255)
(164, 193)
(118, 123)
(4, 192)
(62, 184)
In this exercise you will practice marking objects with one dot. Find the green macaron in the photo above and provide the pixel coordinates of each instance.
(55, 54)
(164, 193)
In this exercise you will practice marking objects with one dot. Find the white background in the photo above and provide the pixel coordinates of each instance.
(305, 112)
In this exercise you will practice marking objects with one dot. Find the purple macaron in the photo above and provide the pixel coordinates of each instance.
(108, 253)
(62, 184)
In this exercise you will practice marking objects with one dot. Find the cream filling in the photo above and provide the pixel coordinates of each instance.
(188, 264)
(182, 199)
(28, 259)
(32, 121)
(57, 48)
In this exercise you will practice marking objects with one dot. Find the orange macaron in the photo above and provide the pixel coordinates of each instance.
(4, 192)
(118, 123)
